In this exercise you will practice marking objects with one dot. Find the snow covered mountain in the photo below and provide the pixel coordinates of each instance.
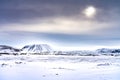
(28, 49)
(106, 50)
(98, 52)
(8, 50)
(44, 49)
(37, 49)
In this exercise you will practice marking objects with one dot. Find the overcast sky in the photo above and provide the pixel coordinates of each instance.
(60, 22)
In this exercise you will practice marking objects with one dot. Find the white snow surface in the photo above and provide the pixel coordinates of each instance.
(51, 67)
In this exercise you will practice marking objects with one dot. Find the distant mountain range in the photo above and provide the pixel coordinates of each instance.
(31, 49)
(44, 49)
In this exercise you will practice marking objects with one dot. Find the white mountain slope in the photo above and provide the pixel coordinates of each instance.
(8, 50)
(107, 50)
(37, 49)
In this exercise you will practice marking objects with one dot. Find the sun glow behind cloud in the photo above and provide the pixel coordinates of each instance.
(90, 11)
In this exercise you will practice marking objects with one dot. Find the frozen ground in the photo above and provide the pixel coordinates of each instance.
(51, 67)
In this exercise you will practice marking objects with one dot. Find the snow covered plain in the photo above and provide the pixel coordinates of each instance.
(51, 67)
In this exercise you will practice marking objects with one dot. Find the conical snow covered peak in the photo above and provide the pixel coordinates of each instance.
(37, 48)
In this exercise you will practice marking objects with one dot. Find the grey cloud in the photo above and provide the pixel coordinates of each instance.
(19, 10)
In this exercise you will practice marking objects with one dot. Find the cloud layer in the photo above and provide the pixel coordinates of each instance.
(59, 20)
